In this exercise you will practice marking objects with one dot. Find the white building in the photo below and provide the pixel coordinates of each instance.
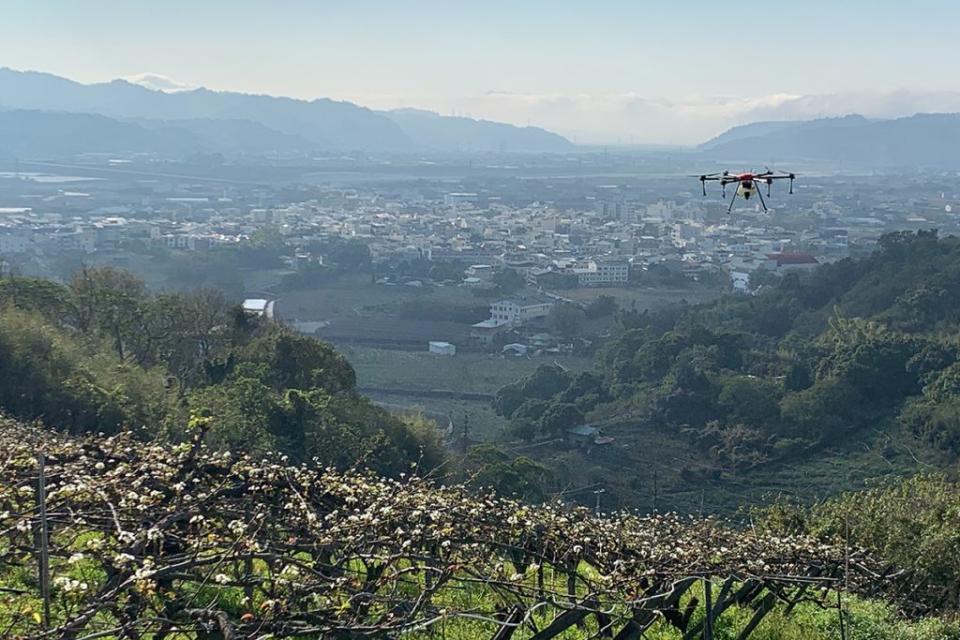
(740, 281)
(259, 307)
(439, 348)
(186, 241)
(480, 271)
(603, 272)
(459, 198)
(517, 311)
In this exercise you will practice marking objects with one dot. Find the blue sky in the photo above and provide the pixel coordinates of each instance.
(650, 71)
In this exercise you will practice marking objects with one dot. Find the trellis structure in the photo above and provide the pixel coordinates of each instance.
(156, 541)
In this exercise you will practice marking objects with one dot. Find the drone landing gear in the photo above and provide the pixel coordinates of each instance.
(764, 204)
(732, 200)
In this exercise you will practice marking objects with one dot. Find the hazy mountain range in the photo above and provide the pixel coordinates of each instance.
(134, 118)
(46, 115)
(925, 140)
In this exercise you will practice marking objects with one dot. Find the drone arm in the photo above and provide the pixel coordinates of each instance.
(786, 176)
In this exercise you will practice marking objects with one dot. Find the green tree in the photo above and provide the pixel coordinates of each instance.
(108, 302)
(566, 320)
(521, 477)
(294, 361)
(508, 399)
(752, 400)
(508, 281)
(545, 382)
(913, 524)
(560, 417)
(604, 306)
(246, 413)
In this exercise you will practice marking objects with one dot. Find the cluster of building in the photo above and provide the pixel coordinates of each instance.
(558, 234)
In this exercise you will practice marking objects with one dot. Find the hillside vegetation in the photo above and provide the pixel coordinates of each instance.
(101, 354)
(815, 363)
(212, 475)
(913, 522)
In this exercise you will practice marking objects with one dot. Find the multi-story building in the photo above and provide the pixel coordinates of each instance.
(603, 273)
(520, 310)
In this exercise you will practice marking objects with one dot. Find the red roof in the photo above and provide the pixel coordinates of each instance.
(792, 258)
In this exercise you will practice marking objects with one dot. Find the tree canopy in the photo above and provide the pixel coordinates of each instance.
(102, 354)
(809, 362)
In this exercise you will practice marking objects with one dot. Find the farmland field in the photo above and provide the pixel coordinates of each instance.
(413, 372)
(355, 296)
(470, 372)
(484, 423)
(641, 298)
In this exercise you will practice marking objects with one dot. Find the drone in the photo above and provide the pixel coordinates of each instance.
(747, 184)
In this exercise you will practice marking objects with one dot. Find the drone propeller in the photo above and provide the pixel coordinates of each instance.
(703, 177)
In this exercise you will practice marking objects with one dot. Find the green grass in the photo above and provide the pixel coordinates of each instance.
(862, 620)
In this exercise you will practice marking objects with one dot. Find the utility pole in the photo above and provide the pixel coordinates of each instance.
(708, 605)
(465, 439)
(597, 493)
(654, 491)
(43, 540)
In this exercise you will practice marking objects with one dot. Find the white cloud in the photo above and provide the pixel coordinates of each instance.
(634, 118)
(158, 82)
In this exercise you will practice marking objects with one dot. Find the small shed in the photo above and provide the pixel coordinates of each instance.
(583, 434)
(515, 348)
(439, 348)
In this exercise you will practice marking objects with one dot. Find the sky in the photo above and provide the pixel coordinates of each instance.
(599, 71)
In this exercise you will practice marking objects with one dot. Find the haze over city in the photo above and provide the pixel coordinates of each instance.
(611, 72)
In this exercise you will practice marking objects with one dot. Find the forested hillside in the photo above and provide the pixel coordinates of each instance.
(102, 354)
(814, 362)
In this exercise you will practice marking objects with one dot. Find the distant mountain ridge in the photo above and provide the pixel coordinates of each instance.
(272, 123)
(34, 134)
(764, 128)
(919, 140)
(456, 133)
